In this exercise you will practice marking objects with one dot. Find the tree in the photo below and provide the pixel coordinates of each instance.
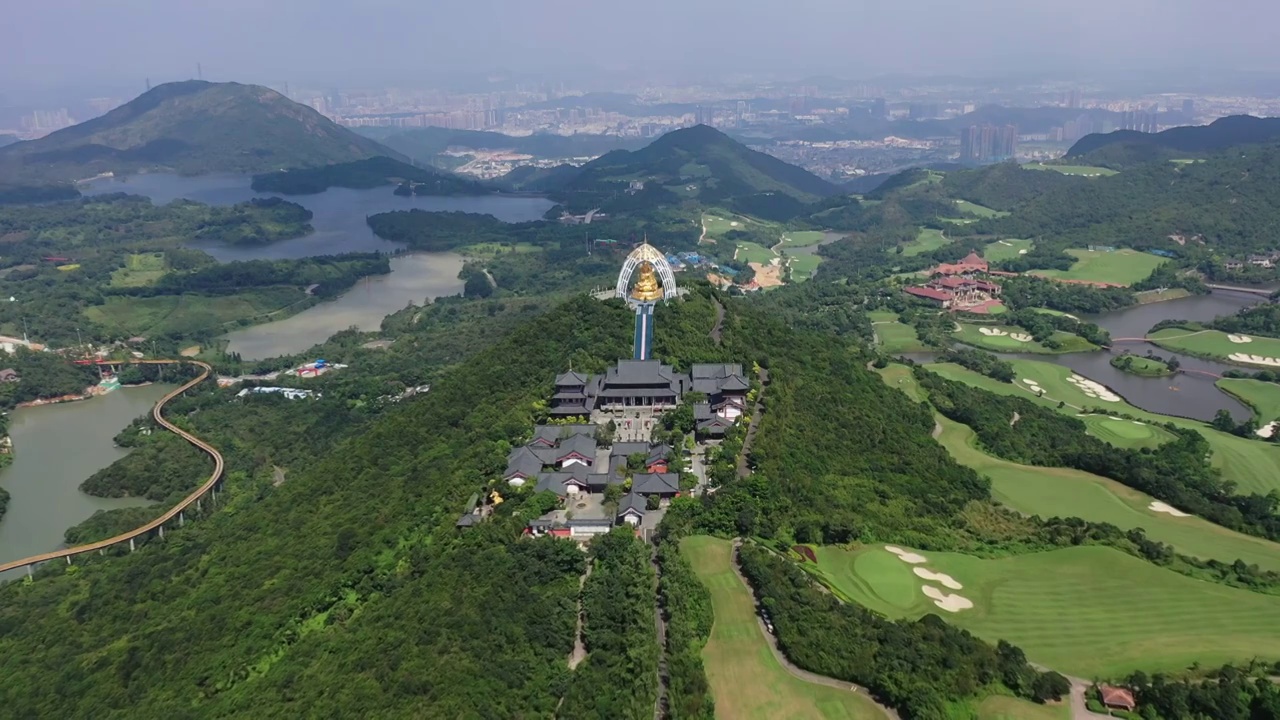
(477, 286)
(652, 502)
(1050, 686)
(1223, 421)
(612, 494)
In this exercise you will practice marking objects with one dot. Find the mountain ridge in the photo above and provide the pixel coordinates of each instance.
(191, 127)
(1135, 147)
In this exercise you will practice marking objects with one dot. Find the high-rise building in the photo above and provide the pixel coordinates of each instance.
(1188, 107)
(879, 109)
(987, 143)
(922, 111)
(701, 115)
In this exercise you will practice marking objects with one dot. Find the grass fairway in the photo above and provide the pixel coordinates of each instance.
(803, 265)
(893, 336)
(746, 680)
(1262, 396)
(1252, 464)
(140, 270)
(1218, 345)
(973, 335)
(1085, 170)
(801, 238)
(1007, 249)
(170, 314)
(1117, 267)
(719, 222)
(752, 252)
(1003, 707)
(494, 249)
(1085, 611)
(981, 211)
(929, 239)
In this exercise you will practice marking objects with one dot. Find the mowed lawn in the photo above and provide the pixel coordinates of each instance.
(746, 680)
(981, 211)
(1003, 707)
(719, 222)
(1262, 396)
(753, 252)
(928, 239)
(801, 238)
(1117, 267)
(1085, 170)
(1217, 344)
(973, 335)
(802, 265)
(1087, 611)
(893, 336)
(1006, 249)
(1252, 464)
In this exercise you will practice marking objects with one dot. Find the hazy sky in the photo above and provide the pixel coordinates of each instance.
(83, 44)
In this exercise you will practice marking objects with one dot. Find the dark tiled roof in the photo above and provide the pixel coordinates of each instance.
(640, 373)
(467, 520)
(524, 461)
(655, 483)
(572, 378)
(624, 449)
(702, 411)
(584, 445)
(554, 433)
(632, 502)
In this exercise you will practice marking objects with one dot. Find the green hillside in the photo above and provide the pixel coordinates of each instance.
(704, 163)
(190, 127)
(369, 173)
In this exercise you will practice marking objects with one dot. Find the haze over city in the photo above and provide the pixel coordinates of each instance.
(46, 47)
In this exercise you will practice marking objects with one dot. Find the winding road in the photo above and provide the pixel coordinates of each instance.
(176, 511)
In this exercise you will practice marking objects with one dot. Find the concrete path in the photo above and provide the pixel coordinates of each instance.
(715, 331)
(804, 675)
(579, 648)
(660, 707)
(754, 425)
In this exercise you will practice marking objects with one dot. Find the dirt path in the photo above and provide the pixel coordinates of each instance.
(743, 470)
(786, 663)
(661, 707)
(1016, 418)
(937, 430)
(579, 648)
(719, 326)
(277, 475)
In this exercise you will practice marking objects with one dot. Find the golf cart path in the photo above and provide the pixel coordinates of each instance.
(804, 675)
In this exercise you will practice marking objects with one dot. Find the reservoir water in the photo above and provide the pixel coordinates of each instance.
(414, 278)
(56, 448)
(339, 221)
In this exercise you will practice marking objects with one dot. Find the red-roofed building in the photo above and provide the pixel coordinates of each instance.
(969, 264)
(1117, 698)
(941, 297)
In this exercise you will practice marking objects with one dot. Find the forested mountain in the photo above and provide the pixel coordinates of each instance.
(369, 173)
(699, 162)
(190, 127)
(1006, 185)
(1125, 148)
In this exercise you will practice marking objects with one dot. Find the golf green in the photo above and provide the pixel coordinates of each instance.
(1007, 249)
(753, 252)
(1116, 267)
(1262, 396)
(896, 337)
(872, 577)
(928, 239)
(981, 211)
(1248, 350)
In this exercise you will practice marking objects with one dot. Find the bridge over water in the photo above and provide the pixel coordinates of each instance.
(210, 486)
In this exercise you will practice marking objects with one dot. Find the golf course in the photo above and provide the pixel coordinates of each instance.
(745, 677)
(1262, 396)
(1086, 611)
(1253, 465)
(1063, 492)
(929, 239)
(1112, 267)
(893, 336)
(1247, 350)
(1007, 338)
(998, 250)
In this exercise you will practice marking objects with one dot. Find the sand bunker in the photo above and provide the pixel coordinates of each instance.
(1022, 252)
(1135, 422)
(1005, 243)
(906, 556)
(1255, 359)
(1267, 430)
(992, 332)
(947, 601)
(943, 578)
(1157, 506)
(1093, 389)
(733, 224)
(1020, 337)
(1239, 338)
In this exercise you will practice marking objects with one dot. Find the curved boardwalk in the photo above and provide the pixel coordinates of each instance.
(175, 511)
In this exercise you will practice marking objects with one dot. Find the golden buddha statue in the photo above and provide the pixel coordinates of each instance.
(647, 288)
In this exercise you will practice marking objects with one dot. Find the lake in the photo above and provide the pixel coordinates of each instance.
(56, 448)
(339, 221)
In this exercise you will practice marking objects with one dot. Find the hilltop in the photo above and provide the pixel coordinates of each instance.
(695, 163)
(1129, 147)
(190, 127)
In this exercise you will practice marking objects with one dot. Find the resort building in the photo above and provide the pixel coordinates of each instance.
(649, 384)
(957, 287)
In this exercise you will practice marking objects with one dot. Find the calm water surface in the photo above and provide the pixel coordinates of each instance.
(57, 447)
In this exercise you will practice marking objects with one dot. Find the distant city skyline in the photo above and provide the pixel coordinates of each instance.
(103, 48)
